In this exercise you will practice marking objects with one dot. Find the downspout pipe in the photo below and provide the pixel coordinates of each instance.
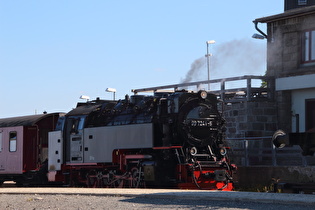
(260, 31)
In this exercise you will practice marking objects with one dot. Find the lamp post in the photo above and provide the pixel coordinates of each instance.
(112, 90)
(208, 60)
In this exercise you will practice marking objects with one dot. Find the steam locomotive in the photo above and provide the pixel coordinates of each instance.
(169, 139)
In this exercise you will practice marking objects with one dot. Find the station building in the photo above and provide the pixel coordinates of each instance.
(290, 106)
(291, 61)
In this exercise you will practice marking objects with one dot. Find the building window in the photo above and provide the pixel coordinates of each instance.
(12, 141)
(308, 47)
(302, 2)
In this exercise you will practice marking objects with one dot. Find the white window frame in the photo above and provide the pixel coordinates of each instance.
(308, 46)
(12, 142)
(302, 2)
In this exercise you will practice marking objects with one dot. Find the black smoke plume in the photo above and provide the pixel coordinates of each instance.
(230, 59)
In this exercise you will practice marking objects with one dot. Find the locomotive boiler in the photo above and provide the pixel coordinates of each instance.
(169, 139)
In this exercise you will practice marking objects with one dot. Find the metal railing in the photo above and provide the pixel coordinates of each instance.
(259, 151)
(241, 93)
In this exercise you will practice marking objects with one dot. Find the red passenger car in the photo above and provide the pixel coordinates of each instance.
(24, 147)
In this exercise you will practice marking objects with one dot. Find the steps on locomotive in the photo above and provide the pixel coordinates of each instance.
(202, 155)
(209, 164)
(205, 161)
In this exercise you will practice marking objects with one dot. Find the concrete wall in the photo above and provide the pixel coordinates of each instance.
(254, 178)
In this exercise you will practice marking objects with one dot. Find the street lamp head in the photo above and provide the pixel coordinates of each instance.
(85, 97)
(113, 90)
(258, 36)
(210, 42)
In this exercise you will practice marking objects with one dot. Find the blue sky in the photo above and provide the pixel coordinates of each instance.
(53, 51)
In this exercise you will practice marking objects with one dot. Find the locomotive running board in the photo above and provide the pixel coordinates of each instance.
(171, 147)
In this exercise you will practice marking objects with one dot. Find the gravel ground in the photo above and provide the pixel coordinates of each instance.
(59, 201)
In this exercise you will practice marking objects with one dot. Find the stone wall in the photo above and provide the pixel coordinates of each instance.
(284, 47)
(250, 119)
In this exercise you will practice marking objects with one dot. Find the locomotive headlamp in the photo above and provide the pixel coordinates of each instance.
(222, 151)
(203, 94)
(193, 151)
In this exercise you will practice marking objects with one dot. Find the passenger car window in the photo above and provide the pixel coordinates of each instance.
(12, 141)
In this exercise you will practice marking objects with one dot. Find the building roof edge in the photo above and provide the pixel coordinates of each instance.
(288, 14)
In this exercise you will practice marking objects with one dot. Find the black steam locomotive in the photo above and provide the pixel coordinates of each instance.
(169, 139)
